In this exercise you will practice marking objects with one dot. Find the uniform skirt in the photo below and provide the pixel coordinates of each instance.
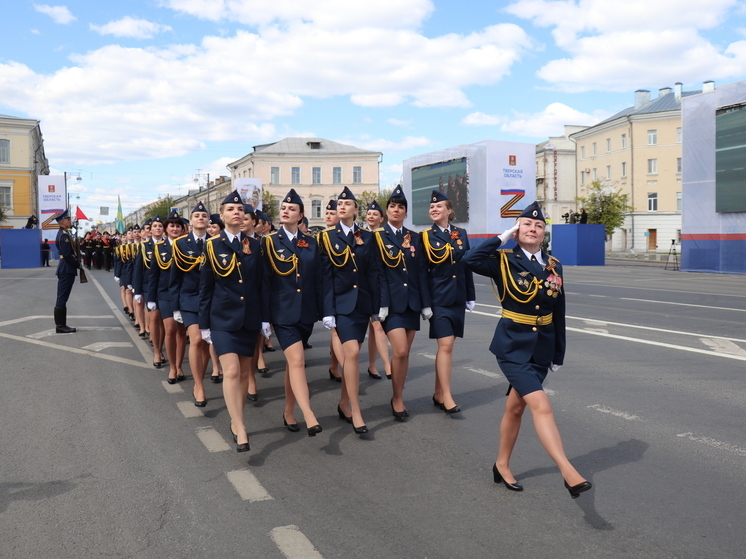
(408, 319)
(352, 326)
(289, 334)
(524, 377)
(167, 311)
(448, 321)
(189, 318)
(241, 341)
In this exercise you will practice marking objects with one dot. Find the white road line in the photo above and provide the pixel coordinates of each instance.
(725, 346)
(247, 486)
(50, 318)
(683, 304)
(212, 440)
(616, 413)
(172, 388)
(484, 372)
(597, 295)
(428, 355)
(188, 409)
(293, 543)
(604, 282)
(720, 445)
(99, 346)
(597, 330)
(53, 332)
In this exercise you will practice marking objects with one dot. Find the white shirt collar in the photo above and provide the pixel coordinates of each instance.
(288, 234)
(231, 236)
(346, 229)
(539, 259)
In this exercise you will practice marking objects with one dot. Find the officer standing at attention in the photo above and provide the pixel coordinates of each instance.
(529, 339)
(67, 271)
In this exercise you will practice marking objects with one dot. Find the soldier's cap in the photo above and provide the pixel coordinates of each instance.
(304, 220)
(347, 194)
(332, 205)
(64, 215)
(215, 219)
(397, 196)
(374, 205)
(156, 219)
(148, 221)
(292, 197)
(261, 215)
(200, 207)
(438, 196)
(185, 222)
(232, 198)
(533, 211)
(248, 209)
(174, 214)
(136, 227)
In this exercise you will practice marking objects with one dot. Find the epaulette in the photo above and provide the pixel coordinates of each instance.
(214, 237)
(553, 260)
(328, 229)
(179, 238)
(378, 230)
(272, 233)
(506, 250)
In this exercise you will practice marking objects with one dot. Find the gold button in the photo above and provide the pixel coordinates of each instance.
(354, 269)
(541, 287)
(405, 285)
(454, 277)
(354, 287)
(537, 307)
(534, 328)
(241, 281)
(242, 300)
(297, 290)
(238, 263)
(404, 269)
(297, 275)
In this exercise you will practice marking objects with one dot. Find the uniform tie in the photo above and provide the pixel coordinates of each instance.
(236, 243)
(399, 235)
(200, 244)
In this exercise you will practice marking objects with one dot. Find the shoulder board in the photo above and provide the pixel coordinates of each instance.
(272, 233)
(161, 242)
(214, 237)
(506, 250)
(182, 237)
(329, 229)
(553, 260)
(380, 229)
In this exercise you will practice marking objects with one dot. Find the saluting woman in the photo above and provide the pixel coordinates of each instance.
(233, 308)
(529, 339)
(295, 293)
(378, 343)
(451, 288)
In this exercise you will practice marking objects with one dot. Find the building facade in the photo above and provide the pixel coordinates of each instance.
(22, 158)
(556, 175)
(638, 151)
(316, 168)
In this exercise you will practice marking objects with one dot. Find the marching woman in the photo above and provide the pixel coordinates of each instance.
(529, 339)
(293, 273)
(335, 346)
(160, 298)
(126, 254)
(248, 229)
(184, 296)
(233, 308)
(350, 273)
(140, 236)
(214, 227)
(451, 288)
(138, 277)
(377, 341)
(404, 292)
(155, 324)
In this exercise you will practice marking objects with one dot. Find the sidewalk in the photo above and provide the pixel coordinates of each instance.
(647, 259)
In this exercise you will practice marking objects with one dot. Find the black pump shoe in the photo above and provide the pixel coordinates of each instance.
(359, 430)
(576, 490)
(398, 415)
(499, 479)
(292, 427)
(450, 411)
(333, 377)
(315, 430)
(371, 375)
(342, 414)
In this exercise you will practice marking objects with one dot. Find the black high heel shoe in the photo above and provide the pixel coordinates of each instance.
(199, 403)
(292, 427)
(436, 403)
(342, 414)
(398, 415)
(371, 375)
(576, 490)
(359, 430)
(315, 430)
(499, 479)
(252, 397)
(332, 376)
(243, 447)
(449, 411)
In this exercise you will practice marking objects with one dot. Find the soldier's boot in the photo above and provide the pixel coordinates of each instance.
(60, 320)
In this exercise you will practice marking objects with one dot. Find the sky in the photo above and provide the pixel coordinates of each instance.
(139, 98)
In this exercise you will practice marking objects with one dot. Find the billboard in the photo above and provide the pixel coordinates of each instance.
(52, 199)
(449, 177)
(250, 190)
(730, 154)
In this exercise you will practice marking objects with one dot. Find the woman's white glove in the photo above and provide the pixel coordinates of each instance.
(138, 299)
(554, 367)
(131, 288)
(470, 305)
(178, 318)
(116, 279)
(151, 306)
(206, 335)
(426, 313)
(508, 233)
(383, 312)
(329, 322)
(266, 330)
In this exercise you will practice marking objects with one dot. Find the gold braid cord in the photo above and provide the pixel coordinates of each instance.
(145, 259)
(275, 258)
(436, 255)
(184, 262)
(220, 270)
(510, 287)
(163, 265)
(391, 262)
(347, 253)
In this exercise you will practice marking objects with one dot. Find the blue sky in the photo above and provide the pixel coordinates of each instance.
(138, 96)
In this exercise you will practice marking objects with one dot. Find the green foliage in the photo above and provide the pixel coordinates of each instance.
(270, 206)
(3, 215)
(605, 205)
(162, 208)
(367, 196)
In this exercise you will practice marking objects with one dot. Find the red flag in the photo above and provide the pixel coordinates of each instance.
(79, 214)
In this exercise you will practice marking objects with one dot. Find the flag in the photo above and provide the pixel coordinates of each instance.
(79, 214)
(120, 217)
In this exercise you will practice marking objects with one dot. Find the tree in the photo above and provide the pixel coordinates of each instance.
(605, 206)
(269, 205)
(367, 196)
(3, 215)
(162, 208)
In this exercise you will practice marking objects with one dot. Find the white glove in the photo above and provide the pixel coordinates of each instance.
(508, 233)
(206, 335)
(266, 330)
(151, 306)
(470, 305)
(383, 312)
(427, 313)
(554, 367)
(138, 299)
(329, 322)
(177, 317)
(116, 279)
(131, 288)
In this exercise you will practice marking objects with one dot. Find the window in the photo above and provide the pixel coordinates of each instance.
(593, 146)
(624, 168)
(357, 175)
(316, 175)
(608, 171)
(582, 152)
(652, 166)
(624, 141)
(4, 151)
(678, 135)
(337, 175)
(652, 201)
(295, 175)
(678, 165)
(608, 145)
(582, 177)
(274, 175)
(678, 201)
(314, 145)
(5, 197)
(595, 174)
(652, 137)
(315, 209)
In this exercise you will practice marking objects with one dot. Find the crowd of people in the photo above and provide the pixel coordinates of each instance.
(227, 282)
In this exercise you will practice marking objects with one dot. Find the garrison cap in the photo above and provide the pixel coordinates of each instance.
(215, 220)
(248, 209)
(232, 198)
(533, 211)
(374, 205)
(332, 205)
(64, 215)
(438, 196)
(347, 195)
(157, 219)
(200, 207)
(147, 221)
(398, 196)
(261, 215)
(292, 198)
(174, 214)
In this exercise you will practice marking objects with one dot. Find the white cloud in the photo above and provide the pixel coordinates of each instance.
(131, 27)
(383, 145)
(60, 14)
(482, 119)
(35, 32)
(550, 121)
(399, 122)
(616, 47)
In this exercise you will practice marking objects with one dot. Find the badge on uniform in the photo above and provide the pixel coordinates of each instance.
(302, 244)
(407, 241)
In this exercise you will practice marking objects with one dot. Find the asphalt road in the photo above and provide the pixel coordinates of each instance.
(100, 457)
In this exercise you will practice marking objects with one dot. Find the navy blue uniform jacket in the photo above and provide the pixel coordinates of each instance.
(520, 343)
(238, 300)
(355, 285)
(160, 277)
(142, 268)
(449, 282)
(299, 295)
(403, 271)
(184, 285)
(68, 264)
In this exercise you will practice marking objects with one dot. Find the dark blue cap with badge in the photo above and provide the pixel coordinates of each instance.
(533, 211)
(292, 197)
(374, 205)
(232, 198)
(174, 214)
(215, 219)
(63, 215)
(200, 207)
(438, 196)
(261, 215)
(332, 205)
(147, 222)
(347, 195)
(397, 196)
(248, 209)
(136, 227)
(157, 219)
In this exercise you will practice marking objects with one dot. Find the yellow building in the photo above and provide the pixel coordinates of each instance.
(638, 150)
(22, 158)
(317, 169)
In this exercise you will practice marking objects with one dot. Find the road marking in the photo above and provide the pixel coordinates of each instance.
(725, 346)
(49, 317)
(683, 304)
(428, 355)
(293, 543)
(247, 486)
(99, 346)
(188, 409)
(720, 445)
(647, 288)
(597, 295)
(616, 413)
(212, 440)
(484, 372)
(79, 351)
(172, 388)
(53, 332)
(596, 330)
